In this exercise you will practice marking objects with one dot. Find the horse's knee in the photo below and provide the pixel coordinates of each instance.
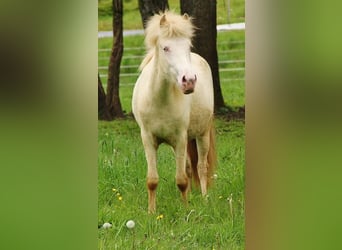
(182, 187)
(152, 183)
(182, 184)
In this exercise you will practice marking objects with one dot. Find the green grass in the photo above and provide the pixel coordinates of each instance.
(132, 19)
(201, 225)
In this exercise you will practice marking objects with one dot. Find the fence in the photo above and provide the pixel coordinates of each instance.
(231, 63)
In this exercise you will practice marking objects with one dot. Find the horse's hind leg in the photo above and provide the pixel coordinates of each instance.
(150, 146)
(202, 166)
(182, 179)
(188, 172)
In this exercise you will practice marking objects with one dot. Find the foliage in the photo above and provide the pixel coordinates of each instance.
(132, 19)
(105, 8)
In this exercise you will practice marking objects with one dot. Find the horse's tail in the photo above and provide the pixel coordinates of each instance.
(192, 153)
(211, 158)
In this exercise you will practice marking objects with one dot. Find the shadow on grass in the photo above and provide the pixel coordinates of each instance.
(227, 113)
(231, 113)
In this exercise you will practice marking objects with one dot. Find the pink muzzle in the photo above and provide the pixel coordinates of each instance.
(188, 84)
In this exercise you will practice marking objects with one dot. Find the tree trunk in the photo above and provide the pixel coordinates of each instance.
(204, 42)
(113, 98)
(103, 113)
(148, 8)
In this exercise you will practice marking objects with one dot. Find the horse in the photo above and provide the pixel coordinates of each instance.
(173, 103)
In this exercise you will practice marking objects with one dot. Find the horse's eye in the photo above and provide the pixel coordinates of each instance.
(166, 49)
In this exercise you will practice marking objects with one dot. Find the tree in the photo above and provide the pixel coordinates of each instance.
(204, 42)
(103, 113)
(148, 8)
(113, 99)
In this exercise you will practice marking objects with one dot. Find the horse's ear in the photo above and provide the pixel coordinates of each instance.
(163, 20)
(186, 16)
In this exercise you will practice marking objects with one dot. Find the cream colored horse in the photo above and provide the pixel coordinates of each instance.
(173, 103)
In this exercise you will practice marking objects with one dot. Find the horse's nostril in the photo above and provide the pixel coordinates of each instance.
(190, 79)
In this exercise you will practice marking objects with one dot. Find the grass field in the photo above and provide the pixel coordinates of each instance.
(214, 224)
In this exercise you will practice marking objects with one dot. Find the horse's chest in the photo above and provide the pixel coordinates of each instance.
(165, 125)
(168, 133)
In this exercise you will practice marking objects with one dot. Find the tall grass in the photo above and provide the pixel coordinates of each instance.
(214, 224)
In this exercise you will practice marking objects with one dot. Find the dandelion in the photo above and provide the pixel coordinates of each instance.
(159, 217)
(130, 224)
(220, 197)
(106, 225)
(118, 194)
(120, 198)
(114, 190)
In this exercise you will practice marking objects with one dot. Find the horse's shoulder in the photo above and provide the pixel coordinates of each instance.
(199, 59)
(200, 62)
(196, 56)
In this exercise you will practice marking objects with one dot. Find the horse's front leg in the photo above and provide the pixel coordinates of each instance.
(182, 179)
(151, 146)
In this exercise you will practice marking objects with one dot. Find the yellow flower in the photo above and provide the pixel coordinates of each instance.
(114, 190)
(120, 198)
(220, 197)
(159, 217)
(118, 194)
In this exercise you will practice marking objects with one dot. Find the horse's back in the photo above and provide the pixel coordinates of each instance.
(204, 87)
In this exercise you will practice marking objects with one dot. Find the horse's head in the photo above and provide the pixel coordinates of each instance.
(174, 58)
(172, 47)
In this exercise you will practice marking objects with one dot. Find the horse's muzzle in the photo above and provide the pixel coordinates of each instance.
(188, 84)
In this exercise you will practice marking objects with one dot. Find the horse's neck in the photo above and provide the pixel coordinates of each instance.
(164, 91)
